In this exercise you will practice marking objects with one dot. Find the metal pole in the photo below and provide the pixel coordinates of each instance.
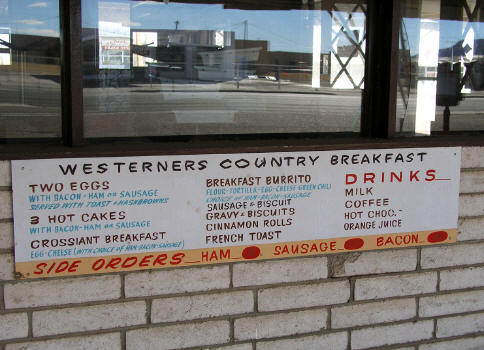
(22, 77)
(446, 119)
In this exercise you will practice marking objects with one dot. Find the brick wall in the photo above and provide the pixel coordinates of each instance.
(417, 298)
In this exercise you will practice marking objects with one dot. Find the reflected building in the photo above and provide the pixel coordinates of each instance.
(157, 55)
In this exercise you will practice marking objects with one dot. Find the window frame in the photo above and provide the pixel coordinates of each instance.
(378, 115)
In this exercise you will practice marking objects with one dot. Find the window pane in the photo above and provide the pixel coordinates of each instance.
(441, 85)
(30, 103)
(238, 67)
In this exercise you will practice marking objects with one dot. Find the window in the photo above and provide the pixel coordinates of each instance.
(175, 68)
(30, 98)
(283, 69)
(441, 81)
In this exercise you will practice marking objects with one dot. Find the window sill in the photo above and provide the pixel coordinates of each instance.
(234, 144)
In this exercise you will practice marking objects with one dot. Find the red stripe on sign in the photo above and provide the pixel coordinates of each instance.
(354, 243)
(437, 236)
(251, 252)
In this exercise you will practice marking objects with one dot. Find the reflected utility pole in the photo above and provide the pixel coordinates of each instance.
(246, 33)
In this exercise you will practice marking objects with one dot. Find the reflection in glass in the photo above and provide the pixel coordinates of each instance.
(441, 62)
(30, 103)
(173, 68)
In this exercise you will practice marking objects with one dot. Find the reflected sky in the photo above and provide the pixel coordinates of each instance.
(451, 32)
(34, 17)
(286, 30)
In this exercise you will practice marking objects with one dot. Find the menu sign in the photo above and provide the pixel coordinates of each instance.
(98, 215)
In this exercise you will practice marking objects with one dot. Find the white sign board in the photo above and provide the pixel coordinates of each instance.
(114, 28)
(98, 215)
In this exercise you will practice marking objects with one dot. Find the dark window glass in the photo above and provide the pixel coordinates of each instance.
(441, 85)
(30, 103)
(237, 67)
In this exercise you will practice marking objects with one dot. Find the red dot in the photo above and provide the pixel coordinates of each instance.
(354, 243)
(437, 236)
(251, 252)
